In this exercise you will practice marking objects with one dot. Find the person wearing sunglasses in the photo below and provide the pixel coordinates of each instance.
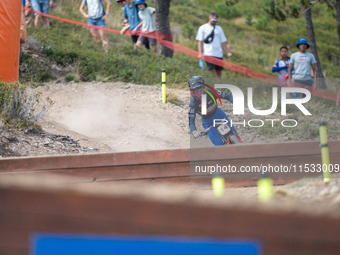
(212, 42)
(121, 3)
(198, 87)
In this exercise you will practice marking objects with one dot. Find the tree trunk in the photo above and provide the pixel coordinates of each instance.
(311, 38)
(163, 26)
(338, 17)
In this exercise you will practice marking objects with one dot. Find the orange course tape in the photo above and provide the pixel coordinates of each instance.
(166, 40)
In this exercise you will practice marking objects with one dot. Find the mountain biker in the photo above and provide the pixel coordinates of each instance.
(196, 85)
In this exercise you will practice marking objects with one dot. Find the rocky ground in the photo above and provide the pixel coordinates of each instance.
(26, 142)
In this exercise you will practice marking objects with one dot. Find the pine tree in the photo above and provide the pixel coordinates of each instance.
(249, 19)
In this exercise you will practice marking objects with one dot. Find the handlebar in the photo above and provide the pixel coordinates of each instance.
(205, 132)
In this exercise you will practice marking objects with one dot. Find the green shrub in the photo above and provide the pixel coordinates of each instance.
(60, 56)
(249, 19)
(19, 105)
(188, 31)
(225, 11)
(72, 77)
(262, 24)
(34, 70)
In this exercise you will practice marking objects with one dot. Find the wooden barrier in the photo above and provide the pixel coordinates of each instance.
(31, 205)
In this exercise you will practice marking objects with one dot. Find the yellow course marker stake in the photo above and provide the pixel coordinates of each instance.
(265, 189)
(324, 152)
(164, 86)
(218, 185)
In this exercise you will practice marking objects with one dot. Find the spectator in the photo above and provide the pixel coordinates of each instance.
(96, 17)
(148, 25)
(121, 3)
(281, 66)
(29, 16)
(44, 7)
(302, 62)
(131, 20)
(23, 32)
(214, 43)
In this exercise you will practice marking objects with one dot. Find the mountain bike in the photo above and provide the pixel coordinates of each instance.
(226, 132)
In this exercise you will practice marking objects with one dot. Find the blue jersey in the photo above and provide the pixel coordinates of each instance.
(281, 67)
(195, 107)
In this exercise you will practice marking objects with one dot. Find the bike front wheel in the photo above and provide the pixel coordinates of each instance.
(233, 140)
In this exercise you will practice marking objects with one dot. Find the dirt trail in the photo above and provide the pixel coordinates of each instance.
(120, 117)
(116, 116)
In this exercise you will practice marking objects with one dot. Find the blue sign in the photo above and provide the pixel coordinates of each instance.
(58, 244)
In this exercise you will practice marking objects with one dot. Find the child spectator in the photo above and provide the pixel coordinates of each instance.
(148, 25)
(29, 16)
(131, 20)
(121, 3)
(281, 66)
(96, 17)
(23, 31)
(125, 28)
(302, 62)
(44, 7)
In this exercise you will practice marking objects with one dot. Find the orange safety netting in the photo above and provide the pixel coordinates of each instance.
(166, 40)
(10, 15)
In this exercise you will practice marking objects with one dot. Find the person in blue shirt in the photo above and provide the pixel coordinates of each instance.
(282, 65)
(196, 85)
(132, 19)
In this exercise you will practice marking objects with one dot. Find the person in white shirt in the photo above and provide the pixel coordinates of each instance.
(96, 17)
(214, 43)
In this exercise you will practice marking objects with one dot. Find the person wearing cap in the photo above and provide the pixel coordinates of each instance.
(302, 62)
(147, 24)
(121, 3)
(214, 43)
(131, 20)
(96, 17)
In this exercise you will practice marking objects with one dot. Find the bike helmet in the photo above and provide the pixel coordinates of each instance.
(196, 84)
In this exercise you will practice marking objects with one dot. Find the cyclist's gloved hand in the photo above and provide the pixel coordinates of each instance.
(196, 134)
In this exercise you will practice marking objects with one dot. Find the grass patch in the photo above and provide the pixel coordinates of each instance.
(172, 98)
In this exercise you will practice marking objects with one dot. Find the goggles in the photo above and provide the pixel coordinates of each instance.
(215, 20)
(197, 92)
